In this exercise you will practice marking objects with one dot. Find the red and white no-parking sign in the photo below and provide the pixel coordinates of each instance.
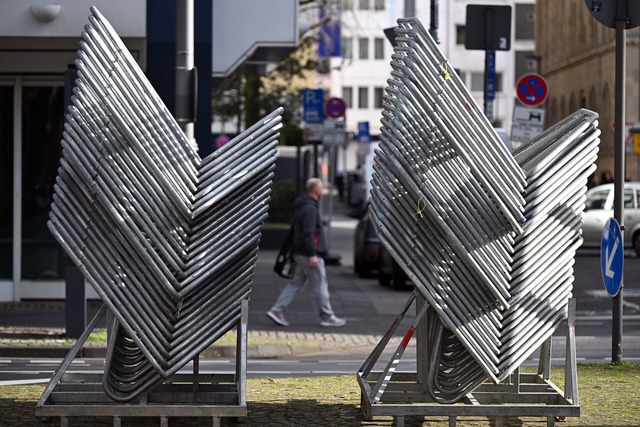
(532, 90)
(335, 108)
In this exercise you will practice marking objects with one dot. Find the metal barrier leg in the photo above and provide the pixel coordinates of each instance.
(216, 422)
(453, 421)
(55, 379)
(571, 370)
(399, 421)
(164, 421)
(378, 390)
(551, 421)
(64, 421)
(544, 364)
(117, 421)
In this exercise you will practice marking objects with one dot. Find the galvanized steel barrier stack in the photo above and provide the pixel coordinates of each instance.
(168, 240)
(488, 237)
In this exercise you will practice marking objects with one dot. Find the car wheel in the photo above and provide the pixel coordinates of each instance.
(398, 278)
(636, 244)
(384, 279)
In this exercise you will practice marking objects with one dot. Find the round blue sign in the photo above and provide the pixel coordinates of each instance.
(532, 90)
(612, 256)
(335, 108)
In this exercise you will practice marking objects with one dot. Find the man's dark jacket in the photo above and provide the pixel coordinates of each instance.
(308, 235)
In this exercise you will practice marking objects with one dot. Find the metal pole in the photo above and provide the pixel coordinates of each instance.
(488, 57)
(185, 102)
(433, 20)
(618, 204)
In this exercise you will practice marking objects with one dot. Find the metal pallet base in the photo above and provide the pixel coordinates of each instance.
(183, 395)
(401, 394)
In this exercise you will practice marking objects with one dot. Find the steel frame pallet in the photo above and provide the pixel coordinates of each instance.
(401, 394)
(183, 395)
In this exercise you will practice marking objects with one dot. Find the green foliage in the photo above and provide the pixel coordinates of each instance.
(283, 194)
(291, 135)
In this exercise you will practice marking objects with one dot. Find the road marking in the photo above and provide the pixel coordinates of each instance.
(26, 382)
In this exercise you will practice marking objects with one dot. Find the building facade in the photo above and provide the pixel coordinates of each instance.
(577, 58)
(38, 44)
(359, 75)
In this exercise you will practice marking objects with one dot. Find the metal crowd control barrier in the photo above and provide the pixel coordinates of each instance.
(168, 240)
(488, 237)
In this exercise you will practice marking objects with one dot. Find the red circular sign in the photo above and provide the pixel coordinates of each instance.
(335, 108)
(532, 90)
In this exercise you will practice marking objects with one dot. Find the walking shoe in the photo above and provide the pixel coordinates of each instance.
(333, 321)
(277, 317)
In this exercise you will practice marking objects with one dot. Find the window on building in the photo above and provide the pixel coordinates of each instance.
(525, 63)
(363, 48)
(525, 21)
(347, 96)
(378, 48)
(363, 4)
(409, 8)
(363, 97)
(377, 97)
(347, 47)
(477, 82)
(460, 31)
(378, 4)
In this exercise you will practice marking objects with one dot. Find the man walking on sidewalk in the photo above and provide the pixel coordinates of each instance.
(309, 248)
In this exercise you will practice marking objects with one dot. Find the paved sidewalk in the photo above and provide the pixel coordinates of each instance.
(36, 328)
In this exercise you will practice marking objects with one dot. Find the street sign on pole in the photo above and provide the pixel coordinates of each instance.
(313, 105)
(335, 108)
(490, 81)
(363, 133)
(487, 27)
(621, 15)
(612, 256)
(532, 89)
(605, 12)
(334, 132)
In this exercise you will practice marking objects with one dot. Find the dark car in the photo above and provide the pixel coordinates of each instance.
(366, 247)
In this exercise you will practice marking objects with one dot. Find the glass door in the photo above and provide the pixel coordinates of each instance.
(6, 183)
(42, 125)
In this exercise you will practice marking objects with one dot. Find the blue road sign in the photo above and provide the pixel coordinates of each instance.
(335, 108)
(532, 89)
(363, 132)
(612, 256)
(490, 84)
(313, 105)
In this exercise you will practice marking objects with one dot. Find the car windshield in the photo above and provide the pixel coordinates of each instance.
(596, 200)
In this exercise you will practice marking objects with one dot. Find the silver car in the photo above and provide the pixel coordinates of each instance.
(599, 208)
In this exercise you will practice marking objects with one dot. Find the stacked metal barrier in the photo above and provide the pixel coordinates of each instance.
(168, 241)
(488, 237)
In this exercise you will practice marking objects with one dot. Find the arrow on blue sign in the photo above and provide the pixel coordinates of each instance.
(612, 257)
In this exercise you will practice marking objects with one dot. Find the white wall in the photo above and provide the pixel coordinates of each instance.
(356, 73)
(127, 16)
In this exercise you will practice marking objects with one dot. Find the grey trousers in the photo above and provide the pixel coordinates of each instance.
(317, 278)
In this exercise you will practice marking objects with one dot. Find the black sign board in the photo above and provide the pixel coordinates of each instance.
(488, 27)
(605, 12)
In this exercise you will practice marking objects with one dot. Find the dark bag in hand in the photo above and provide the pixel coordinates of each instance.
(284, 261)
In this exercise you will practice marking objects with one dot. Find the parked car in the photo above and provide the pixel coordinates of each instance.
(599, 208)
(366, 246)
